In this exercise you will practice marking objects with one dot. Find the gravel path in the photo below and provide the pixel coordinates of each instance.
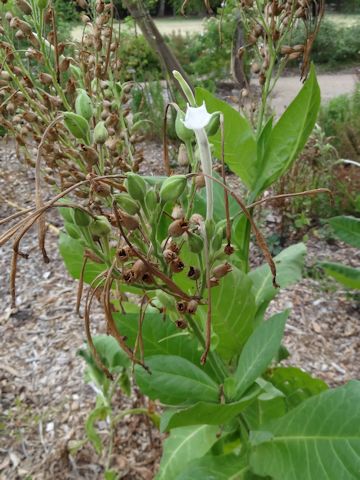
(44, 400)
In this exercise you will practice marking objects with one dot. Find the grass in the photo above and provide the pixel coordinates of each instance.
(344, 19)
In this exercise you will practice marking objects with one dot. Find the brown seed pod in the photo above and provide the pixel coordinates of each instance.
(221, 270)
(229, 249)
(181, 323)
(193, 273)
(24, 6)
(177, 266)
(174, 247)
(214, 282)
(64, 65)
(130, 222)
(101, 189)
(129, 276)
(45, 78)
(169, 255)
(294, 55)
(177, 228)
(200, 181)
(255, 68)
(181, 306)
(299, 48)
(192, 306)
(124, 253)
(139, 268)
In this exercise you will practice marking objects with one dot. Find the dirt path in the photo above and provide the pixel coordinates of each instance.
(331, 85)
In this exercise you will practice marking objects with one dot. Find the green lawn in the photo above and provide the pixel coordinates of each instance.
(343, 19)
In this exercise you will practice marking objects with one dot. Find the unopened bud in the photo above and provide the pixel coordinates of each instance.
(172, 188)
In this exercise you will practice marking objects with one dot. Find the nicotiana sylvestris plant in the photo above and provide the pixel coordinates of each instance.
(196, 331)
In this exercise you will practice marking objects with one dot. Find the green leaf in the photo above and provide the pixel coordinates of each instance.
(174, 381)
(259, 350)
(206, 413)
(184, 445)
(289, 265)
(319, 439)
(99, 413)
(347, 229)
(222, 467)
(296, 384)
(290, 133)
(240, 143)
(233, 312)
(160, 337)
(110, 352)
(348, 276)
(72, 252)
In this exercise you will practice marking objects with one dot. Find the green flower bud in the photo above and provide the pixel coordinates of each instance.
(185, 134)
(127, 203)
(217, 239)
(196, 243)
(83, 105)
(172, 188)
(101, 226)
(77, 126)
(151, 200)
(66, 214)
(100, 133)
(166, 300)
(136, 186)
(42, 4)
(81, 218)
(209, 228)
(213, 126)
(72, 231)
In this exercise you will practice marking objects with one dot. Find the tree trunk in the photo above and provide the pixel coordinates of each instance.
(161, 11)
(237, 63)
(150, 31)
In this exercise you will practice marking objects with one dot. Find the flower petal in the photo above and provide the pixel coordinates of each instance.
(196, 118)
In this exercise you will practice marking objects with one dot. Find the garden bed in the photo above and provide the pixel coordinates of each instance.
(44, 400)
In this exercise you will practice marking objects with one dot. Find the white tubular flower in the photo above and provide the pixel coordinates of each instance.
(196, 119)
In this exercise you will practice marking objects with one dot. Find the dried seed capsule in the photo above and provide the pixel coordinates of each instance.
(24, 6)
(100, 133)
(139, 268)
(172, 188)
(78, 126)
(83, 105)
(136, 186)
(169, 255)
(181, 306)
(196, 243)
(101, 226)
(192, 307)
(129, 222)
(221, 270)
(177, 228)
(200, 181)
(90, 155)
(193, 273)
(81, 218)
(183, 159)
(229, 249)
(177, 266)
(45, 78)
(185, 134)
(255, 68)
(181, 323)
(127, 203)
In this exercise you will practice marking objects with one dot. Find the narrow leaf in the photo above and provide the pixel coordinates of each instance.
(259, 350)
(348, 276)
(347, 229)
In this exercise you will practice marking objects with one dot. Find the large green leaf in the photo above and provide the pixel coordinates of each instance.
(206, 413)
(295, 384)
(184, 445)
(290, 133)
(289, 265)
(233, 312)
(348, 276)
(72, 252)
(347, 229)
(174, 381)
(160, 337)
(240, 142)
(222, 467)
(319, 439)
(258, 351)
